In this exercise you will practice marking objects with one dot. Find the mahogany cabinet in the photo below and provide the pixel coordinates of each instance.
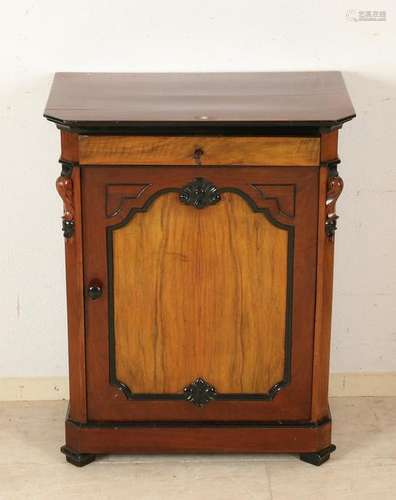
(199, 222)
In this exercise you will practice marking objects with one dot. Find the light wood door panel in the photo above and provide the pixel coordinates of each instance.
(200, 293)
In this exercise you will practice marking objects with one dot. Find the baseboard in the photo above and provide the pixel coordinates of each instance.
(363, 384)
(57, 388)
(34, 389)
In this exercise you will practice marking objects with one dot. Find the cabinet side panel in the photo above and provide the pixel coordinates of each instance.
(75, 309)
(200, 293)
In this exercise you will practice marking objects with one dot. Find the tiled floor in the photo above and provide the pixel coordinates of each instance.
(363, 467)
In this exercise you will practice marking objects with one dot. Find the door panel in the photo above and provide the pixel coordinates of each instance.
(199, 293)
(224, 293)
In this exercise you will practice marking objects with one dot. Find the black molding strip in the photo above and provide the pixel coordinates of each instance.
(193, 128)
(67, 167)
(202, 423)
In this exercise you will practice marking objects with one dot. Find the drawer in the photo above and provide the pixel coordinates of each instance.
(199, 150)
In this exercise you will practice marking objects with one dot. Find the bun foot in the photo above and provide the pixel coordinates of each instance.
(77, 459)
(318, 457)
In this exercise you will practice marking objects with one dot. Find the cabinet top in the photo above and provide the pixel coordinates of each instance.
(94, 102)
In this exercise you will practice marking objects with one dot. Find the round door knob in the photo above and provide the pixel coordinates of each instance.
(95, 290)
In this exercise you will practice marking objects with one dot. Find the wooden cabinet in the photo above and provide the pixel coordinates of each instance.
(199, 221)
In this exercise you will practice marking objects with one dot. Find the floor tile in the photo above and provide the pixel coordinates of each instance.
(363, 467)
(373, 479)
(176, 481)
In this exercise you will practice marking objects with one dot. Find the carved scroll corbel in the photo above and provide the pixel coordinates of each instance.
(64, 186)
(334, 189)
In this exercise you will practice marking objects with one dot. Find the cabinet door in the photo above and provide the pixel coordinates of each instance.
(204, 300)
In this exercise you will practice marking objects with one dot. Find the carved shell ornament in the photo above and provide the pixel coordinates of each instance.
(199, 392)
(199, 193)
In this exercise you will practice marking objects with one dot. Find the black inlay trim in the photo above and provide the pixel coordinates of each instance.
(269, 396)
(314, 127)
(68, 228)
(67, 168)
(274, 198)
(333, 167)
(201, 423)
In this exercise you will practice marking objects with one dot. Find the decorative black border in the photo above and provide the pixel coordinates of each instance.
(67, 167)
(119, 208)
(274, 198)
(269, 396)
(313, 127)
(300, 424)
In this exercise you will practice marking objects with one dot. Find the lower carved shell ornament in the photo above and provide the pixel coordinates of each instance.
(199, 392)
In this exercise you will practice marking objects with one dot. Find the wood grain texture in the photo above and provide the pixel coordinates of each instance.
(121, 99)
(69, 146)
(329, 146)
(64, 186)
(324, 300)
(200, 293)
(119, 194)
(284, 197)
(168, 150)
(324, 287)
(75, 309)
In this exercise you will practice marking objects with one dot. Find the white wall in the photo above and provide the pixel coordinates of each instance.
(38, 38)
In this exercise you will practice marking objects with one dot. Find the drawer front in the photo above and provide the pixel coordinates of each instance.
(196, 150)
(205, 274)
